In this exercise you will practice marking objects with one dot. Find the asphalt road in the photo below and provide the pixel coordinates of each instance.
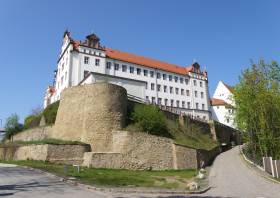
(21, 182)
(229, 177)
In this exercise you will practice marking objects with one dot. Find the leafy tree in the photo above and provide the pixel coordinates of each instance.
(150, 119)
(257, 98)
(12, 126)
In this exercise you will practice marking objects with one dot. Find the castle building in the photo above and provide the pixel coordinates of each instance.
(222, 104)
(149, 80)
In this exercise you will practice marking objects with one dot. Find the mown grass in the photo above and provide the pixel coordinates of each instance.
(170, 179)
(45, 141)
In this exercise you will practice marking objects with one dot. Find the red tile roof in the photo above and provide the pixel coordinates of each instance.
(218, 102)
(148, 62)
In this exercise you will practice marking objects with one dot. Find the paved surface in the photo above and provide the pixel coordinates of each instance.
(229, 177)
(22, 182)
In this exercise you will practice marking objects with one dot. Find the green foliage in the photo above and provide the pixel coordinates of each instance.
(171, 179)
(50, 113)
(150, 119)
(32, 121)
(257, 98)
(12, 126)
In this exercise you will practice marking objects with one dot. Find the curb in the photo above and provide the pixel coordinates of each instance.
(247, 162)
(117, 190)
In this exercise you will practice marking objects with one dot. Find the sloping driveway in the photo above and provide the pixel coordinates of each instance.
(230, 176)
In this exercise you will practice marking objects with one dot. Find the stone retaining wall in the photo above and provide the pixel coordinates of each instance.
(66, 154)
(37, 133)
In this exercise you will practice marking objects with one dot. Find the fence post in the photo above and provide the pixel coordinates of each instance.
(272, 167)
(276, 168)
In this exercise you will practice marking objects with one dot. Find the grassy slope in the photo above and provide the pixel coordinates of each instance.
(193, 138)
(171, 179)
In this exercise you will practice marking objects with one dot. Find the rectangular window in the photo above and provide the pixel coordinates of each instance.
(171, 90)
(131, 70)
(108, 65)
(145, 72)
(183, 104)
(176, 79)
(187, 81)
(171, 102)
(152, 86)
(124, 68)
(86, 60)
(178, 103)
(158, 75)
(202, 94)
(158, 87)
(153, 100)
(151, 74)
(97, 62)
(177, 91)
(146, 86)
(182, 92)
(194, 82)
(188, 92)
(138, 71)
(189, 105)
(164, 76)
(200, 84)
(170, 77)
(159, 101)
(116, 66)
(165, 101)
(181, 80)
(165, 88)
(195, 93)
(202, 106)
(196, 105)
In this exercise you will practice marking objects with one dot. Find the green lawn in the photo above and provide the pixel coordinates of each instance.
(171, 179)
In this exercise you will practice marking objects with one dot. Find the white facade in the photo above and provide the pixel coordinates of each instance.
(187, 91)
(222, 108)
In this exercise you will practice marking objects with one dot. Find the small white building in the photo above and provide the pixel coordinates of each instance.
(158, 82)
(222, 104)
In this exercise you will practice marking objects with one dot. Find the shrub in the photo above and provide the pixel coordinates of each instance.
(12, 126)
(50, 113)
(32, 121)
(150, 119)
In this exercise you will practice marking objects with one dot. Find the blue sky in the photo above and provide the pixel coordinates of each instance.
(221, 35)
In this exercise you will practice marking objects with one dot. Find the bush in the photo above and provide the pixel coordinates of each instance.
(32, 121)
(12, 126)
(150, 119)
(50, 113)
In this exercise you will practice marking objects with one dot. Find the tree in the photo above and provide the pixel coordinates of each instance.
(12, 126)
(257, 98)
